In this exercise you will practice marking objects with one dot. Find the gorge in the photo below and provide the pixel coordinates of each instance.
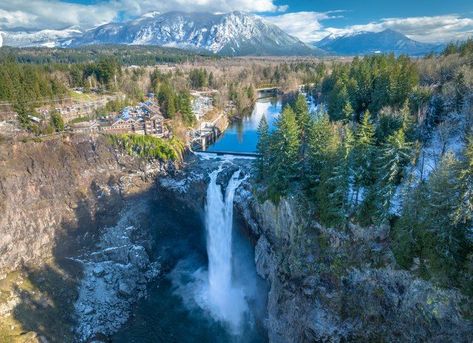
(183, 252)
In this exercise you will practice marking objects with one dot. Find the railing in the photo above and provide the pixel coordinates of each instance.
(231, 153)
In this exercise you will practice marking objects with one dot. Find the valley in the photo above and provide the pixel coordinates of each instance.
(218, 175)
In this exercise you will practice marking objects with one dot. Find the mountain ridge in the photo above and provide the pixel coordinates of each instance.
(232, 34)
(367, 42)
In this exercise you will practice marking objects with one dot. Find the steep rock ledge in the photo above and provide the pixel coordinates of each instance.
(328, 285)
(68, 186)
(61, 241)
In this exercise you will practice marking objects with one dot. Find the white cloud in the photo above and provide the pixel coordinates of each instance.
(432, 29)
(308, 27)
(304, 25)
(45, 14)
(56, 14)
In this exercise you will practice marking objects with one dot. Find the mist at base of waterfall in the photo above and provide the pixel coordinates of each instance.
(245, 303)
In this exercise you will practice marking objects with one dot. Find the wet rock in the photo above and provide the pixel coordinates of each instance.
(137, 256)
(125, 288)
(99, 270)
(225, 175)
(88, 310)
(68, 186)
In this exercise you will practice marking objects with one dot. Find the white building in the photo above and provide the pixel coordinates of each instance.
(201, 105)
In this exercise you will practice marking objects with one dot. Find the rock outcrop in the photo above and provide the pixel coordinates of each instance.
(63, 187)
(115, 276)
(330, 285)
(72, 262)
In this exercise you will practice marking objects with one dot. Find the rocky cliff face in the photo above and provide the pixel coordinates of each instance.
(336, 286)
(75, 251)
(62, 187)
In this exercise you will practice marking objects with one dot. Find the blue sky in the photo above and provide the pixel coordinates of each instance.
(309, 20)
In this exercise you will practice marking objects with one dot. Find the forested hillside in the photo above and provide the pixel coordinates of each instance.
(365, 159)
(127, 55)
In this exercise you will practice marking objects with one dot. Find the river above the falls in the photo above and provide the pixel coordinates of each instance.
(242, 134)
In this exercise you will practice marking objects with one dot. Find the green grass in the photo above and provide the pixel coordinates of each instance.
(81, 96)
(149, 146)
(78, 120)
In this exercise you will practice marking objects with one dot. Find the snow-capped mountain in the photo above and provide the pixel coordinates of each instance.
(46, 38)
(360, 43)
(234, 33)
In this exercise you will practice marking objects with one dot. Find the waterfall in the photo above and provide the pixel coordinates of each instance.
(226, 301)
(217, 289)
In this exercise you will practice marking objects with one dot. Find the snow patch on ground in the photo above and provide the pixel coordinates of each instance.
(115, 276)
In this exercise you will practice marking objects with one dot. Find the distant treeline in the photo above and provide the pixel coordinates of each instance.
(31, 82)
(126, 55)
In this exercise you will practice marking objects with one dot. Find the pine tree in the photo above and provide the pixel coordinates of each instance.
(57, 122)
(444, 238)
(363, 159)
(426, 229)
(22, 110)
(263, 148)
(167, 100)
(347, 112)
(285, 149)
(319, 141)
(337, 189)
(408, 121)
(185, 108)
(327, 174)
(464, 209)
(302, 113)
(409, 230)
(395, 155)
(337, 100)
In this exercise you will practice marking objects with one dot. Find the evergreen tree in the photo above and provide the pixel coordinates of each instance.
(442, 241)
(408, 121)
(185, 108)
(285, 149)
(211, 81)
(320, 142)
(57, 122)
(464, 210)
(409, 231)
(327, 173)
(302, 113)
(347, 112)
(363, 159)
(250, 92)
(167, 100)
(395, 155)
(23, 111)
(337, 100)
(263, 148)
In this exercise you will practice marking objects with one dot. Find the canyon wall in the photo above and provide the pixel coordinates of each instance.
(75, 242)
(54, 193)
(330, 285)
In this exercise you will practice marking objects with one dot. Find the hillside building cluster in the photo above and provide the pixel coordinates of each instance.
(145, 119)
